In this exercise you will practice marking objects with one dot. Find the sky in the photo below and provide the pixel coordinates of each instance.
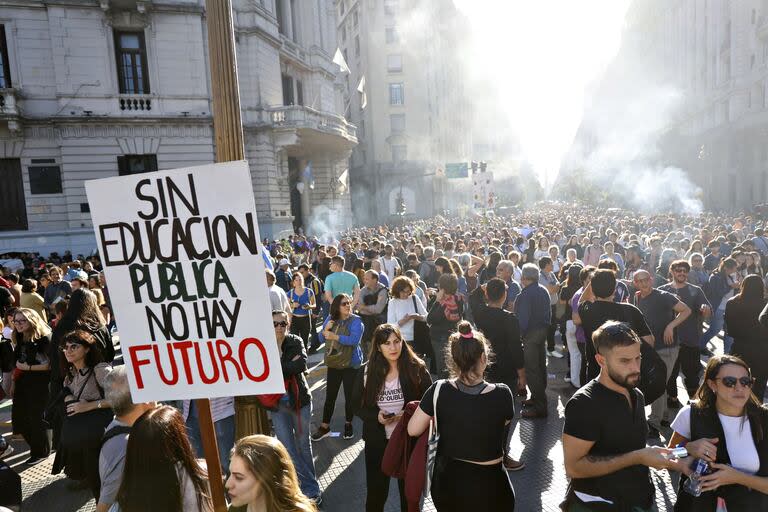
(543, 54)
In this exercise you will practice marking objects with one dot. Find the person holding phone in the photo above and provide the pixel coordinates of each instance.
(393, 376)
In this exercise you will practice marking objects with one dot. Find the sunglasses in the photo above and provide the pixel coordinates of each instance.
(730, 382)
(70, 347)
(280, 324)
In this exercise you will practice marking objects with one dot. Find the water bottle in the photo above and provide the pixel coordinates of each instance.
(693, 485)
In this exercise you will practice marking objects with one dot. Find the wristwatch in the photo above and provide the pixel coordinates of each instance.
(98, 404)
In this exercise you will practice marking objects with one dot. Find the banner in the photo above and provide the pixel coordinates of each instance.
(180, 250)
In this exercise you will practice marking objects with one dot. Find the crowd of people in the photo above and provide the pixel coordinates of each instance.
(437, 332)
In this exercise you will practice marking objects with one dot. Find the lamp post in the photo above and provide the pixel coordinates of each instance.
(250, 418)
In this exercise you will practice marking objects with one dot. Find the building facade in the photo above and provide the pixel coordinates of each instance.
(714, 53)
(96, 89)
(412, 114)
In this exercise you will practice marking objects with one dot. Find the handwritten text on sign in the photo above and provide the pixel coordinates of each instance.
(181, 254)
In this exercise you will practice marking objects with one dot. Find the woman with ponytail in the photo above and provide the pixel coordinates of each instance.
(468, 408)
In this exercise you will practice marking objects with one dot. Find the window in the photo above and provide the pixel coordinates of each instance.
(390, 35)
(394, 63)
(390, 7)
(132, 66)
(45, 179)
(341, 8)
(397, 123)
(279, 16)
(344, 33)
(399, 153)
(355, 19)
(287, 90)
(396, 95)
(299, 93)
(136, 164)
(5, 69)
(357, 46)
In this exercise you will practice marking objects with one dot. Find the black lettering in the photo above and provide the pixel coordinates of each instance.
(151, 200)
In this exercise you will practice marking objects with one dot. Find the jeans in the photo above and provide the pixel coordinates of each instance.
(302, 327)
(225, 436)
(573, 352)
(292, 430)
(689, 361)
(659, 406)
(535, 357)
(716, 323)
(335, 379)
(552, 330)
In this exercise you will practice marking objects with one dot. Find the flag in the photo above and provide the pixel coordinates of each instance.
(267, 259)
(338, 59)
(361, 90)
(308, 177)
(344, 179)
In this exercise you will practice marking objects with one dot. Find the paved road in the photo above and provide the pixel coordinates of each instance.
(340, 465)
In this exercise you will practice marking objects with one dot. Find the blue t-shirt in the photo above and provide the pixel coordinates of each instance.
(341, 282)
(304, 300)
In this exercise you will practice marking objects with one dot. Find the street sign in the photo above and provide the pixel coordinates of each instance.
(454, 171)
(187, 282)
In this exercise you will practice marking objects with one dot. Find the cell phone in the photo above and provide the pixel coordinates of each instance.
(388, 415)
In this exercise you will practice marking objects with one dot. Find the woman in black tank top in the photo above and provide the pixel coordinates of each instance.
(468, 407)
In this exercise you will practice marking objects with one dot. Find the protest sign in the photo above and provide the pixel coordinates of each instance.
(180, 250)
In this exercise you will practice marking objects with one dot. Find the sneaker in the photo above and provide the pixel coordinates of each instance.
(511, 464)
(555, 354)
(5, 448)
(320, 433)
(33, 461)
(348, 432)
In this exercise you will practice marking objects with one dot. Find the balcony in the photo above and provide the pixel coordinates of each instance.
(134, 103)
(9, 110)
(297, 124)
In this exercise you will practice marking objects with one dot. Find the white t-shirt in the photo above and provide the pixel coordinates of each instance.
(389, 266)
(398, 308)
(391, 400)
(738, 439)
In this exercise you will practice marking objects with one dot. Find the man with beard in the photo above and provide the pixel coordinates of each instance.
(605, 431)
(597, 306)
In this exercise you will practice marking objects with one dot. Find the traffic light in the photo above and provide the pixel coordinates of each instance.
(483, 166)
(474, 167)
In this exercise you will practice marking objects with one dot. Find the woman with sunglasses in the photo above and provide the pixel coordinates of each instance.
(727, 427)
(86, 413)
(393, 376)
(341, 333)
(31, 337)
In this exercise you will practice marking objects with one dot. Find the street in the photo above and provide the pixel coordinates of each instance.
(341, 468)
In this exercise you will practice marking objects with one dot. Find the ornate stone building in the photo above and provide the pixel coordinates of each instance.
(91, 89)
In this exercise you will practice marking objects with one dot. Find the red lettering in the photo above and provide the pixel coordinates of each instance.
(201, 368)
(243, 345)
(227, 357)
(174, 371)
(136, 363)
(183, 347)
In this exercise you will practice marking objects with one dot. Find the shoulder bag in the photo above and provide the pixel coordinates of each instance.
(433, 440)
(338, 356)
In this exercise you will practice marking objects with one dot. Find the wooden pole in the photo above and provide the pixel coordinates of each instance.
(250, 418)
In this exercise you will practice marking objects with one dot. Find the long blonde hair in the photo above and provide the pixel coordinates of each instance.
(40, 328)
(269, 462)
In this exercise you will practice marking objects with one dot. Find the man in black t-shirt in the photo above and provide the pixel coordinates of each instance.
(596, 306)
(605, 431)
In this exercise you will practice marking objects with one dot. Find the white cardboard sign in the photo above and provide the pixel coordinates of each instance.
(180, 250)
